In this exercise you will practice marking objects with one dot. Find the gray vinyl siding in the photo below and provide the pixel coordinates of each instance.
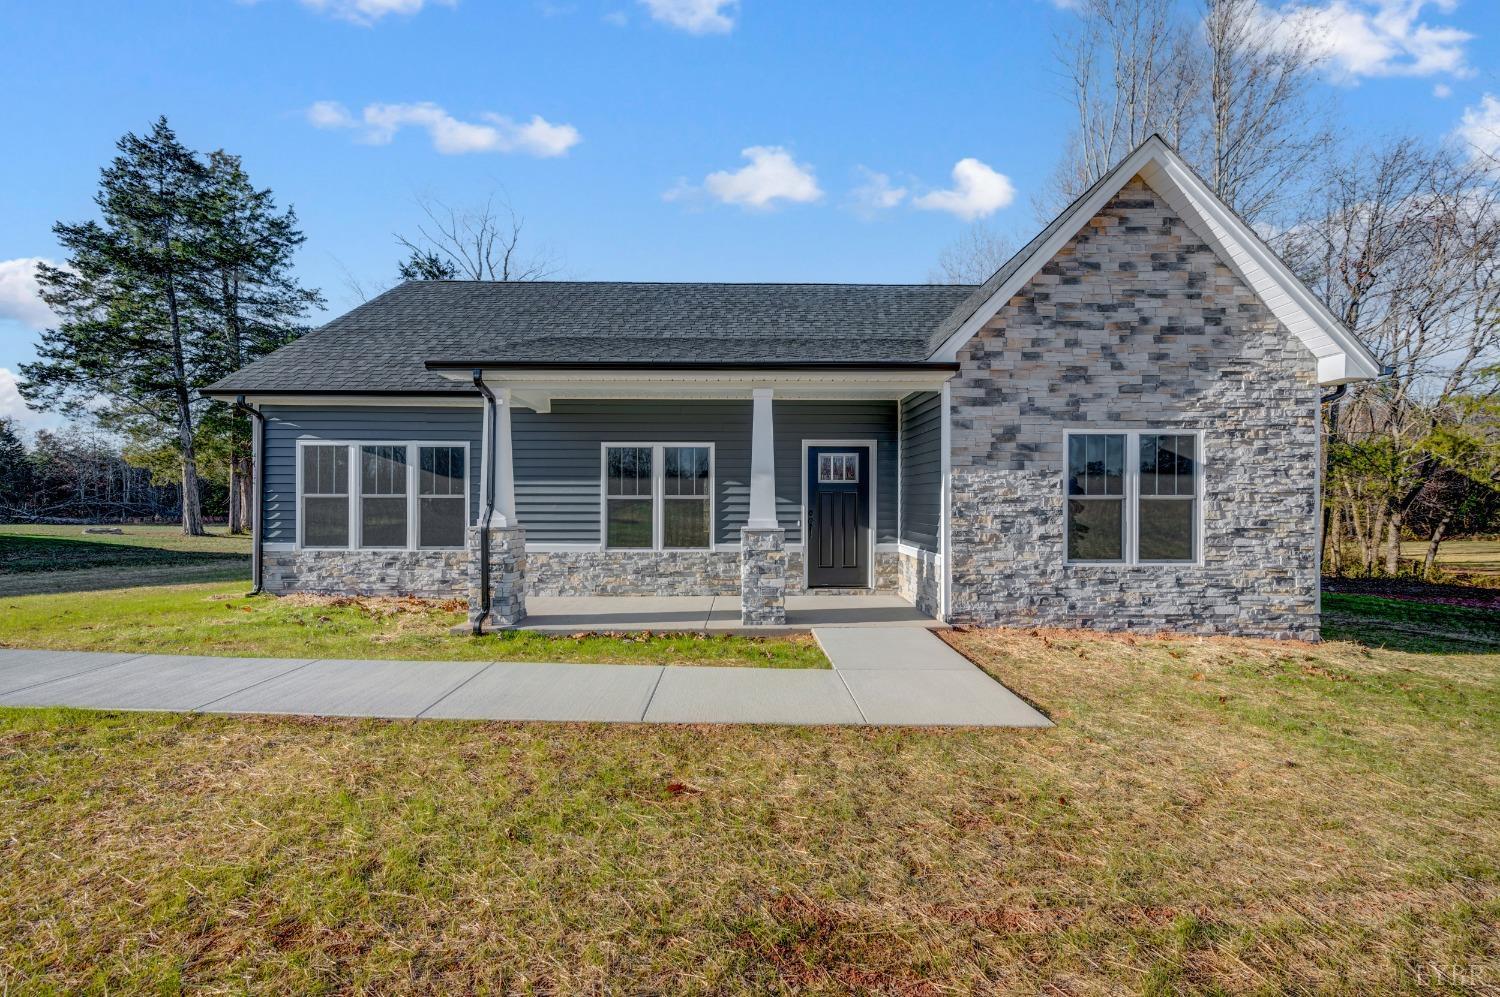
(921, 469)
(840, 420)
(558, 455)
(285, 425)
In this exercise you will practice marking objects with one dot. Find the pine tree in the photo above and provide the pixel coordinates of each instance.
(426, 264)
(255, 303)
(126, 300)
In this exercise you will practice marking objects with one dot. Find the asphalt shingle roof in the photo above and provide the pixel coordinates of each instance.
(383, 344)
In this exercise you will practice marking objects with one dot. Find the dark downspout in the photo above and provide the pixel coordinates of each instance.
(257, 455)
(489, 503)
(1338, 392)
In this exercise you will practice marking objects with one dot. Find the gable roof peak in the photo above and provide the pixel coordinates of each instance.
(1341, 356)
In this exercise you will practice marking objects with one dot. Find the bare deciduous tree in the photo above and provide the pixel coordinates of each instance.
(1405, 246)
(1229, 90)
(973, 257)
(1133, 72)
(1259, 135)
(481, 242)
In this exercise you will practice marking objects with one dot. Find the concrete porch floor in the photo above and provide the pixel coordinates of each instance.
(716, 614)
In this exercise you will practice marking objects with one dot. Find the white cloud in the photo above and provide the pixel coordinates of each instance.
(1480, 128)
(875, 193)
(1377, 37)
(617, 17)
(697, 17)
(13, 406)
(771, 176)
(20, 295)
(449, 135)
(367, 12)
(329, 114)
(1442, 91)
(977, 191)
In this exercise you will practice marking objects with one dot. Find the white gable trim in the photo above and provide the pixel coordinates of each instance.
(1341, 357)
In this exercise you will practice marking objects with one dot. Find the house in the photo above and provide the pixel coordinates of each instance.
(1119, 429)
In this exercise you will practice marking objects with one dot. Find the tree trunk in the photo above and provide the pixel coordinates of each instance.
(236, 524)
(1393, 545)
(192, 514)
(1429, 563)
(247, 494)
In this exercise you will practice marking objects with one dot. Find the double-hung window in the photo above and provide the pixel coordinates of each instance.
(383, 496)
(658, 496)
(325, 496)
(1133, 498)
(442, 497)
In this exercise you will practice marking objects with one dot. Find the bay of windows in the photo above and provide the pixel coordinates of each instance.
(400, 495)
(1133, 497)
(658, 496)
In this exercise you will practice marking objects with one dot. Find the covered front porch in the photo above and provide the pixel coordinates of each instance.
(716, 614)
(709, 498)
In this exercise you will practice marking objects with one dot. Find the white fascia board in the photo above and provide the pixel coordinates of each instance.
(543, 386)
(1341, 357)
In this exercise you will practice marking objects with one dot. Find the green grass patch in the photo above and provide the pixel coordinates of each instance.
(220, 619)
(1209, 816)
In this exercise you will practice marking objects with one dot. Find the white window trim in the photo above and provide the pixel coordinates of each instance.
(1130, 514)
(658, 496)
(413, 456)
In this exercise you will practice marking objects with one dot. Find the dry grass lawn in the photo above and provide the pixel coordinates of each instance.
(1208, 816)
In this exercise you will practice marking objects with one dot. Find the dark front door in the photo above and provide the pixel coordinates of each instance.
(838, 517)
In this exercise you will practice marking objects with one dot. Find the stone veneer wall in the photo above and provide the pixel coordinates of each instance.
(919, 580)
(633, 572)
(1137, 325)
(426, 574)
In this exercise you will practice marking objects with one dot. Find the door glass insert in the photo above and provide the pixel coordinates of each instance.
(838, 468)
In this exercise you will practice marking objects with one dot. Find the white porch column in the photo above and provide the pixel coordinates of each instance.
(505, 470)
(762, 540)
(497, 546)
(762, 464)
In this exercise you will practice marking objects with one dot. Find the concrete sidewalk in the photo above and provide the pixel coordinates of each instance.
(881, 676)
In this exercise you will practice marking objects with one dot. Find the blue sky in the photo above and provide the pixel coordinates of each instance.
(878, 131)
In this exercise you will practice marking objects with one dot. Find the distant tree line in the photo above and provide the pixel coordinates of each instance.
(76, 476)
(185, 276)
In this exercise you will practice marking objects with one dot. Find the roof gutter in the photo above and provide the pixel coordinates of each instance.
(257, 468)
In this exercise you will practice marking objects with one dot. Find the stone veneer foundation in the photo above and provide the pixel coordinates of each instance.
(426, 574)
(1137, 325)
(443, 574)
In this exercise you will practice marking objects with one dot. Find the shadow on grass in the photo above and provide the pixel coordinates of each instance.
(27, 554)
(222, 569)
(1413, 627)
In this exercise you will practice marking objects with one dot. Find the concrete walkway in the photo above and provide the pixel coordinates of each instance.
(888, 676)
